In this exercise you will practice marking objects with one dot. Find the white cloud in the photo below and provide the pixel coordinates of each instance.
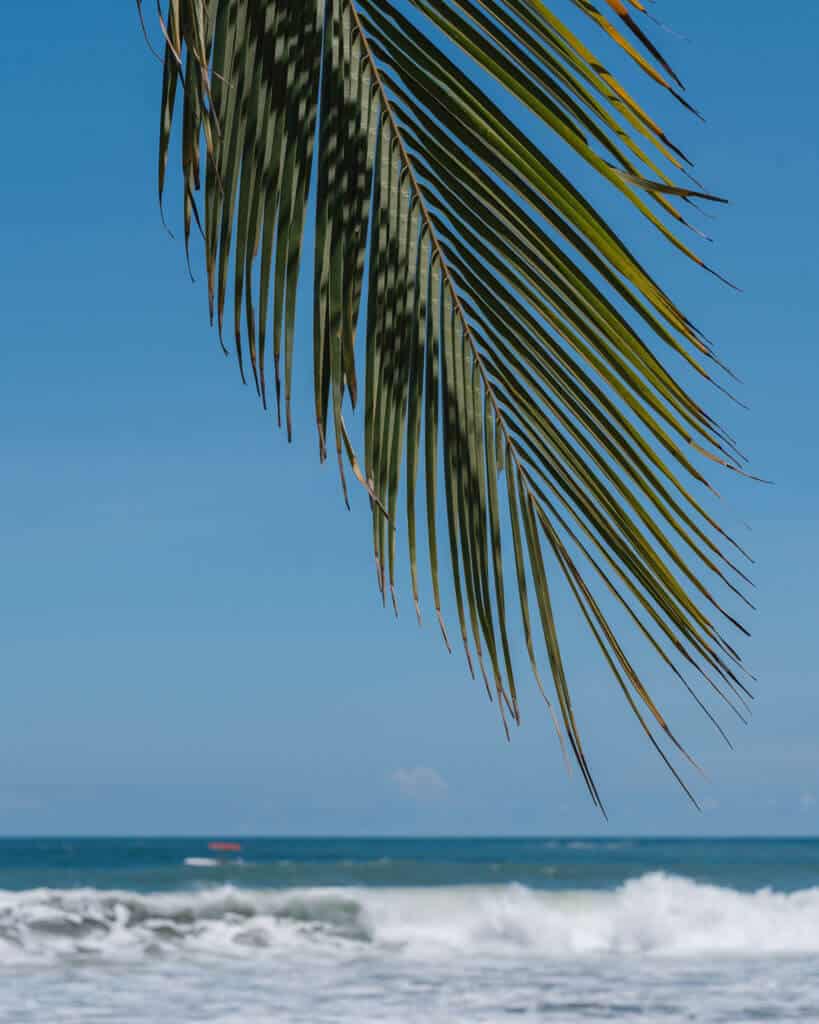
(419, 783)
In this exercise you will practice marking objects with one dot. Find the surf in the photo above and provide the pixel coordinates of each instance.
(657, 915)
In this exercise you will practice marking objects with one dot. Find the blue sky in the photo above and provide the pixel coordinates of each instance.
(191, 635)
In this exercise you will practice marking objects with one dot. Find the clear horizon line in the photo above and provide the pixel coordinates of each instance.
(409, 836)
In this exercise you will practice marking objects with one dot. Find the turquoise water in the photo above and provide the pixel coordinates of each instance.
(357, 930)
(159, 865)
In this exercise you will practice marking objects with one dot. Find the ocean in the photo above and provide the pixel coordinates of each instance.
(462, 931)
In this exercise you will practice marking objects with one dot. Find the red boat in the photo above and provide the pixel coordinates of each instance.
(225, 847)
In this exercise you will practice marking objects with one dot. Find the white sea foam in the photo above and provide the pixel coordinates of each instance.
(659, 950)
(202, 862)
(656, 915)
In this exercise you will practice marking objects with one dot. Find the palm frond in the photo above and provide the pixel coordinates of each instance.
(516, 366)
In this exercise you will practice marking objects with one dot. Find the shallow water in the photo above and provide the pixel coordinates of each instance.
(398, 931)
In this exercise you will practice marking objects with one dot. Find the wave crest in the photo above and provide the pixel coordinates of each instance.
(656, 915)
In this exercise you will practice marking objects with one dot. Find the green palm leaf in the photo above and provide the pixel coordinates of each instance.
(514, 376)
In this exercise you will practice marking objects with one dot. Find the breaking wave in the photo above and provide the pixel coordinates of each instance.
(656, 915)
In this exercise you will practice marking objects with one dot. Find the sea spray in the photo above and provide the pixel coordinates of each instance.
(657, 915)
